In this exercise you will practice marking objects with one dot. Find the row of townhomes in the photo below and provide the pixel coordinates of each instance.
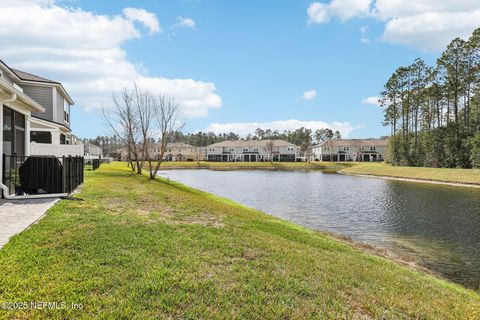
(349, 150)
(35, 115)
(173, 152)
(273, 150)
(252, 151)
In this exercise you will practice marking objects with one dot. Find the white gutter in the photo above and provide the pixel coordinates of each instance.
(6, 190)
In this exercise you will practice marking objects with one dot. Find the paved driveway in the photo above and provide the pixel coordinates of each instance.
(17, 215)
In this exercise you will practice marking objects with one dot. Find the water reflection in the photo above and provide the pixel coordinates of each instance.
(439, 226)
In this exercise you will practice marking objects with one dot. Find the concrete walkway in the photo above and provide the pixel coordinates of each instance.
(17, 215)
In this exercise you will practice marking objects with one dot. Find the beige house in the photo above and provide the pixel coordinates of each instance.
(252, 151)
(173, 152)
(350, 150)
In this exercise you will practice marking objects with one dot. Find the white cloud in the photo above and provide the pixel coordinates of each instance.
(83, 50)
(309, 95)
(387, 9)
(244, 128)
(343, 9)
(186, 22)
(431, 31)
(364, 38)
(428, 25)
(141, 15)
(317, 13)
(371, 100)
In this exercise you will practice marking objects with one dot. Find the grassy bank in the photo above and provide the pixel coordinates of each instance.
(153, 249)
(255, 165)
(465, 176)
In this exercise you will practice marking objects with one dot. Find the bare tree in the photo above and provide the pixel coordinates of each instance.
(198, 154)
(145, 107)
(167, 117)
(123, 123)
(269, 148)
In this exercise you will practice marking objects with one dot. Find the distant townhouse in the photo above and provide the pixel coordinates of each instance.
(252, 151)
(349, 150)
(92, 150)
(179, 152)
(173, 152)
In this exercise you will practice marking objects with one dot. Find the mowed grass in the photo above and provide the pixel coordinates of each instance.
(467, 176)
(140, 249)
(254, 165)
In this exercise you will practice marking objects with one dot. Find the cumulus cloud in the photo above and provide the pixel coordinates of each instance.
(431, 31)
(185, 22)
(309, 95)
(371, 100)
(141, 15)
(317, 13)
(343, 9)
(428, 25)
(83, 50)
(244, 128)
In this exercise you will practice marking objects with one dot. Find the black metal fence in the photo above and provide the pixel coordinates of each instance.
(95, 164)
(42, 174)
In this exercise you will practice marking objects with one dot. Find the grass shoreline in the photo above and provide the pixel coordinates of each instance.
(443, 176)
(154, 249)
(417, 180)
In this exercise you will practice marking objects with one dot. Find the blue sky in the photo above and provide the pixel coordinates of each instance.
(249, 61)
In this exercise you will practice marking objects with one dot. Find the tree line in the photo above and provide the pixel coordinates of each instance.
(300, 136)
(434, 111)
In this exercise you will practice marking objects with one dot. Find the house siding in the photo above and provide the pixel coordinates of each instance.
(251, 151)
(44, 96)
(59, 112)
(7, 78)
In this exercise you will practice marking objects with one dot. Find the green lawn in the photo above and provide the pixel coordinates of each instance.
(468, 176)
(139, 249)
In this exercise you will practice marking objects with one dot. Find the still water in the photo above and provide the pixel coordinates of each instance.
(437, 226)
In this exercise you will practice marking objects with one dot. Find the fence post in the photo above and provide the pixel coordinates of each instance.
(4, 158)
(64, 182)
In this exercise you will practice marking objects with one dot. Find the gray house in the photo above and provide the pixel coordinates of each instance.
(252, 151)
(35, 116)
(350, 150)
(49, 130)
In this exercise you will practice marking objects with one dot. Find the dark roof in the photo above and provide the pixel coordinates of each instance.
(31, 77)
(356, 142)
(251, 143)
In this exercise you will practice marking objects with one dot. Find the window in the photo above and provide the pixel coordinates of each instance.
(66, 111)
(255, 149)
(232, 149)
(290, 149)
(372, 149)
(346, 148)
(245, 149)
(362, 148)
(63, 139)
(41, 137)
(13, 132)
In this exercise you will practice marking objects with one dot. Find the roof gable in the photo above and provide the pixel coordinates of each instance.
(31, 77)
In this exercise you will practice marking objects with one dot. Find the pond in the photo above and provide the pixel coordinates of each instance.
(438, 226)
